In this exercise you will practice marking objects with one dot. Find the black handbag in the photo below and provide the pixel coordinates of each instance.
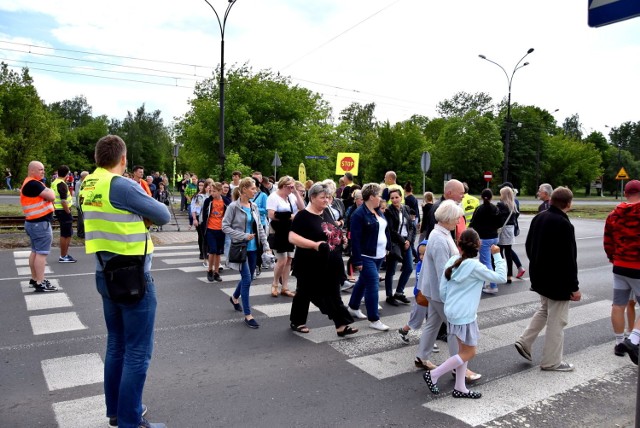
(124, 276)
(238, 252)
(396, 253)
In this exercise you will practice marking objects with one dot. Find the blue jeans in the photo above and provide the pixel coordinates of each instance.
(246, 272)
(129, 348)
(367, 286)
(485, 254)
(407, 268)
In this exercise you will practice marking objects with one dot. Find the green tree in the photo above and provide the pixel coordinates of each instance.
(462, 103)
(571, 162)
(627, 137)
(79, 131)
(27, 126)
(398, 149)
(148, 140)
(466, 147)
(264, 113)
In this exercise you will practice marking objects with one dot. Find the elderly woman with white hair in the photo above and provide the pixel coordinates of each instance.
(318, 266)
(440, 249)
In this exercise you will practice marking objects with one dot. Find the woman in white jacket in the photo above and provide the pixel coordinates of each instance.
(460, 290)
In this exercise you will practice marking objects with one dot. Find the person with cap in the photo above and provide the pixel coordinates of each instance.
(544, 194)
(551, 248)
(622, 246)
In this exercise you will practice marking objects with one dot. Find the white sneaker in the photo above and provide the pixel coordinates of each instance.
(379, 307)
(378, 325)
(346, 285)
(357, 313)
(435, 348)
(490, 290)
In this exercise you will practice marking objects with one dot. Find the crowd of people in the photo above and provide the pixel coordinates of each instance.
(460, 247)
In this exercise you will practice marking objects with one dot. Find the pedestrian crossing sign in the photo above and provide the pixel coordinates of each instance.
(622, 174)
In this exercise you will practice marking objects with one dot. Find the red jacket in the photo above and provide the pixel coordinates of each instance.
(622, 235)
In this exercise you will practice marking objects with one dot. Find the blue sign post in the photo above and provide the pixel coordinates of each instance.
(605, 12)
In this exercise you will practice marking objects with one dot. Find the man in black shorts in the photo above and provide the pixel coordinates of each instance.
(62, 204)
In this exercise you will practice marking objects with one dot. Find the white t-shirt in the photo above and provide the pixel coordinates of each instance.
(277, 204)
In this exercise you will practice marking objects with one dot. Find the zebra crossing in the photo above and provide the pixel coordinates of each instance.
(381, 355)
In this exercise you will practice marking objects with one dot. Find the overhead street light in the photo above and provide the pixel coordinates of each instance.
(505, 167)
(222, 24)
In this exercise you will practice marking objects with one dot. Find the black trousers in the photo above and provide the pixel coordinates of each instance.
(323, 292)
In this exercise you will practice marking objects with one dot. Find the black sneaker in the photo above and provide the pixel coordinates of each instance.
(217, 277)
(33, 283)
(46, 286)
(392, 301)
(210, 276)
(619, 349)
(401, 298)
(113, 421)
(631, 349)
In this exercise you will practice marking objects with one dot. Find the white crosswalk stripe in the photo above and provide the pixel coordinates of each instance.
(381, 355)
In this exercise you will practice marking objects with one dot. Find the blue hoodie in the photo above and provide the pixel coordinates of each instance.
(461, 294)
(416, 288)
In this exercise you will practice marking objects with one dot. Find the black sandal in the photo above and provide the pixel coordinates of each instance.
(299, 328)
(432, 386)
(470, 394)
(347, 331)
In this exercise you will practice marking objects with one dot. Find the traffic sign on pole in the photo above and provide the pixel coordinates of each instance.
(605, 12)
(622, 174)
(488, 176)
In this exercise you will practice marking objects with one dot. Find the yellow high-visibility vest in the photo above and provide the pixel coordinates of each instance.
(469, 205)
(106, 227)
(57, 202)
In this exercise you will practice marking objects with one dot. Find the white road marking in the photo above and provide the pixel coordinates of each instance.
(83, 412)
(26, 271)
(72, 371)
(518, 390)
(39, 301)
(56, 323)
(398, 361)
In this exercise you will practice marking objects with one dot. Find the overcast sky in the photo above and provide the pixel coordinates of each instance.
(404, 55)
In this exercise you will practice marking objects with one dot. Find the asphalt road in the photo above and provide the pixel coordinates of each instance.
(210, 370)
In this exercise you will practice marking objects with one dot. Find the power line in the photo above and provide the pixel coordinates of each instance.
(27, 63)
(99, 62)
(339, 35)
(108, 78)
(107, 55)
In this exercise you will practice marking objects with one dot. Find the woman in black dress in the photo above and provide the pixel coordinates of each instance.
(318, 264)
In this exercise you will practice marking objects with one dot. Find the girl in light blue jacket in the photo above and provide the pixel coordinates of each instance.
(460, 290)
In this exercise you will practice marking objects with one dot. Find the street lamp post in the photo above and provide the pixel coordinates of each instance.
(507, 139)
(222, 24)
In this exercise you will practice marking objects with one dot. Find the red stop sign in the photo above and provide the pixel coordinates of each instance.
(347, 163)
(488, 176)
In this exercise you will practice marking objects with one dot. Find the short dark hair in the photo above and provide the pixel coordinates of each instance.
(561, 197)
(238, 173)
(63, 171)
(108, 151)
(137, 167)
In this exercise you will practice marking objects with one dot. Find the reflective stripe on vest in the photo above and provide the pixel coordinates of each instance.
(57, 203)
(108, 228)
(34, 207)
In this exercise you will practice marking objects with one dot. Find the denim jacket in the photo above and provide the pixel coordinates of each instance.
(364, 234)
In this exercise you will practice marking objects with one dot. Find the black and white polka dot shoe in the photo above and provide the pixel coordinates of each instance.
(432, 386)
(470, 394)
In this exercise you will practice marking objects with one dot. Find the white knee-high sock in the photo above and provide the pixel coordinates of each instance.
(461, 372)
(452, 363)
